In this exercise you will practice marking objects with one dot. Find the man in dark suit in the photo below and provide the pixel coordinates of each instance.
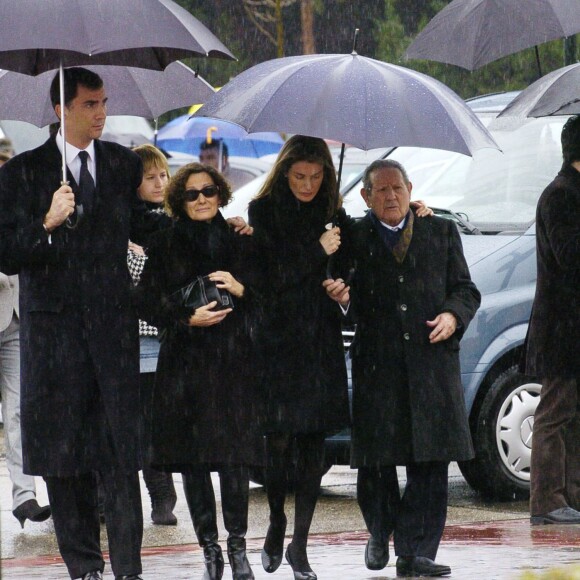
(412, 299)
(552, 344)
(79, 334)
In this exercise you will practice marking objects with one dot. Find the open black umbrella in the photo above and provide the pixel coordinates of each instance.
(349, 98)
(557, 93)
(41, 35)
(131, 91)
(473, 33)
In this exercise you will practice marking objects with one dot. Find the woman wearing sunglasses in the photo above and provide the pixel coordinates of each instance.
(203, 400)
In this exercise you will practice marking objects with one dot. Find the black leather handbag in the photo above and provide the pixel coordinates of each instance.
(200, 292)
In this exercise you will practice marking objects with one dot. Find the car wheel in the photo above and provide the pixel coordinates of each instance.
(502, 435)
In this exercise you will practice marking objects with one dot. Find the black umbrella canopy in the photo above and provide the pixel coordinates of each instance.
(473, 33)
(131, 91)
(40, 35)
(349, 98)
(557, 93)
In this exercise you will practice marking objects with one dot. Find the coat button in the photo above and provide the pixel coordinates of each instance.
(404, 307)
(407, 336)
(401, 279)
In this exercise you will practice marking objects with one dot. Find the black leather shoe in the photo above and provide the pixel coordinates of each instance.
(376, 554)
(565, 515)
(94, 575)
(30, 510)
(302, 569)
(274, 546)
(410, 566)
(130, 577)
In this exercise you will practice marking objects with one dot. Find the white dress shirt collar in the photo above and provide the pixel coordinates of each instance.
(396, 228)
(72, 157)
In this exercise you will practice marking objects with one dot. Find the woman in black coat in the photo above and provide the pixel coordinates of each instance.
(305, 384)
(203, 411)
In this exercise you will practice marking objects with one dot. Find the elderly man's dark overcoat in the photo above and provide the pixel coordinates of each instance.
(408, 403)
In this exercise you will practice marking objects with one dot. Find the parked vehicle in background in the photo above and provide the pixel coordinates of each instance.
(253, 167)
(24, 136)
(355, 160)
(124, 129)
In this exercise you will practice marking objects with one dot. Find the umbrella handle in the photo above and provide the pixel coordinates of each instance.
(62, 123)
(356, 31)
(339, 176)
(71, 223)
(78, 217)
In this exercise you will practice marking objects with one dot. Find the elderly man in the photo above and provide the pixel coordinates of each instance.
(79, 334)
(552, 344)
(412, 299)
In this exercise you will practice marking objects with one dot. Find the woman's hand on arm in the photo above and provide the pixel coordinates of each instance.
(330, 240)
(421, 208)
(240, 226)
(226, 281)
(136, 249)
(205, 316)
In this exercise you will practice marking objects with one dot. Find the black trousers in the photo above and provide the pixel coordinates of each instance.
(417, 518)
(555, 469)
(74, 505)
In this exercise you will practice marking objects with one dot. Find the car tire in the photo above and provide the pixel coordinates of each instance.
(502, 436)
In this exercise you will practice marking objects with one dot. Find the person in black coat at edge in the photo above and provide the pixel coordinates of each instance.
(412, 300)
(551, 348)
(204, 408)
(79, 332)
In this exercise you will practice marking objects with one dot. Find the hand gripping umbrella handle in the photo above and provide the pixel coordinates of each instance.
(73, 221)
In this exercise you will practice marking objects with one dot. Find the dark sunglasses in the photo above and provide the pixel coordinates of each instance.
(193, 194)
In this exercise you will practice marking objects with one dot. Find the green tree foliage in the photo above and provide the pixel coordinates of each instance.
(387, 27)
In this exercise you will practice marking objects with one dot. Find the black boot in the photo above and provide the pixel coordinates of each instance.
(214, 562)
(235, 485)
(201, 502)
(238, 559)
(163, 496)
